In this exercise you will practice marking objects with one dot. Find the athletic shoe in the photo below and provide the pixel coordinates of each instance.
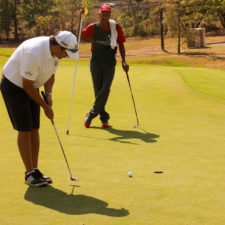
(87, 125)
(32, 179)
(105, 124)
(41, 175)
(88, 120)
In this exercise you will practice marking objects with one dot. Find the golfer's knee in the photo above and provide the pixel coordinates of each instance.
(35, 131)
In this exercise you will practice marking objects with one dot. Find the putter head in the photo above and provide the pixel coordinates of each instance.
(136, 126)
(73, 179)
(67, 132)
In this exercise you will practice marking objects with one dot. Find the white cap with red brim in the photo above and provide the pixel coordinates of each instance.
(68, 41)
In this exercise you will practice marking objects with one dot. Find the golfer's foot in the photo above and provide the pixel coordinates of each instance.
(88, 120)
(32, 179)
(41, 175)
(86, 124)
(105, 124)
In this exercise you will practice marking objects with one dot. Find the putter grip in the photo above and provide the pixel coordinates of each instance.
(44, 96)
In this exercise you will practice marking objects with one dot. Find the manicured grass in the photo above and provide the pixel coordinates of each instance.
(181, 113)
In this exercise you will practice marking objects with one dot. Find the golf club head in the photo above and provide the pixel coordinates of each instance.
(136, 126)
(73, 179)
(67, 132)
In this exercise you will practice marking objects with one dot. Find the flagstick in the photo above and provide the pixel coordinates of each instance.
(75, 71)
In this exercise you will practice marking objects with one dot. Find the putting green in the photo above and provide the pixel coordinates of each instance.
(181, 113)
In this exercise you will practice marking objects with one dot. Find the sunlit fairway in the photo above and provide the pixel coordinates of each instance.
(182, 127)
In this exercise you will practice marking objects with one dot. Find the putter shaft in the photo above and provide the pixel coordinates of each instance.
(136, 126)
(71, 177)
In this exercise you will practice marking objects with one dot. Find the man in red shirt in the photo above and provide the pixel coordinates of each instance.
(105, 36)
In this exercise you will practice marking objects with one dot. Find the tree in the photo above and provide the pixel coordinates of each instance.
(40, 13)
(15, 12)
(218, 10)
(67, 20)
(182, 15)
(5, 17)
(138, 11)
(162, 28)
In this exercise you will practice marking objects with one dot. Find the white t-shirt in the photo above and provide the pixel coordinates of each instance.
(33, 61)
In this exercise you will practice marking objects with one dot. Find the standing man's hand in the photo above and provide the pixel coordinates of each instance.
(125, 66)
(82, 11)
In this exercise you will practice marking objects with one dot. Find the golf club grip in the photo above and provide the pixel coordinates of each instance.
(44, 96)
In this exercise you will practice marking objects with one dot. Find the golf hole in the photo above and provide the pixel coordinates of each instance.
(158, 172)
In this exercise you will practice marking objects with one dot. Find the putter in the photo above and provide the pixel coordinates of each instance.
(71, 177)
(136, 125)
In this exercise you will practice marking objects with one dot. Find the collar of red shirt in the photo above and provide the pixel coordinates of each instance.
(104, 28)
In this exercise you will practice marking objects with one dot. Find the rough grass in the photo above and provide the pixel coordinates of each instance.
(181, 113)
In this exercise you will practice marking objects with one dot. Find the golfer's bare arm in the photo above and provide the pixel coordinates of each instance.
(123, 57)
(34, 94)
(48, 89)
(49, 84)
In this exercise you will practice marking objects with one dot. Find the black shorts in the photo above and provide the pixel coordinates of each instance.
(24, 113)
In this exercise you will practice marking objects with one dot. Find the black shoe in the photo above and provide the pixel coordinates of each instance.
(33, 180)
(41, 175)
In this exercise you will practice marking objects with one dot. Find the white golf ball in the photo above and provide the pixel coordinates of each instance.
(130, 174)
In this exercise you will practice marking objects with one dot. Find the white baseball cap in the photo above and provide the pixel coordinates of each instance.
(68, 41)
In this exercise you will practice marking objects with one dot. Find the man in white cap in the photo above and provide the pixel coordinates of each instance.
(32, 65)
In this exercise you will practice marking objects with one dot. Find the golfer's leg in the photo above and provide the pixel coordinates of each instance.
(35, 143)
(103, 94)
(97, 80)
(96, 77)
(24, 145)
(35, 140)
(104, 116)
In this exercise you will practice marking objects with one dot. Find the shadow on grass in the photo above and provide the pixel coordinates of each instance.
(58, 200)
(129, 134)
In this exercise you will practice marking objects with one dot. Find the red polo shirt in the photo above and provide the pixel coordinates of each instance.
(88, 32)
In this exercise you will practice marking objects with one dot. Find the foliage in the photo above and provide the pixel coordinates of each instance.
(27, 18)
(40, 15)
(5, 17)
(218, 9)
(183, 15)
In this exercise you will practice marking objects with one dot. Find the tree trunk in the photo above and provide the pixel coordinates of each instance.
(15, 20)
(179, 32)
(162, 29)
(222, 19)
